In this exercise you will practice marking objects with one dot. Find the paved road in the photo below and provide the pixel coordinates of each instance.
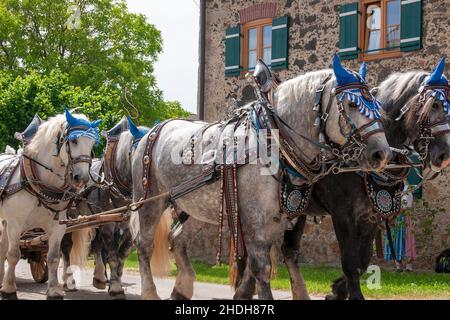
(29, 290)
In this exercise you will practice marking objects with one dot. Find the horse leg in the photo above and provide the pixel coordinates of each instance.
(246, 283)
(55, 233)
(342, 288)
(111, 247)
(124, 252)
(149, 216)
(99, 278)
(3, 250)
(184, 284)
(347, 235)
(66, 247)
(290, 249)
(9, 290)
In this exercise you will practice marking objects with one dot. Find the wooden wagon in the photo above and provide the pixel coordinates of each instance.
(34, 243)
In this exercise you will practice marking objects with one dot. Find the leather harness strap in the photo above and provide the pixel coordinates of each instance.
(110, 171)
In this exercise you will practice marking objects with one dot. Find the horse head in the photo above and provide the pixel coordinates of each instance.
(418, 103)
(79, 137)
(355, 117)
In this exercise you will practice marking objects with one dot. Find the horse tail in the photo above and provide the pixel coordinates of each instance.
(81, 242)
(160, 261)
(134, 226)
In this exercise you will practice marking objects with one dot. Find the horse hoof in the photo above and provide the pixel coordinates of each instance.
(67, 289)
(9, 296)
(175, 295)
(117, 296)
(330, 297)
(98, 284)
(55, 298)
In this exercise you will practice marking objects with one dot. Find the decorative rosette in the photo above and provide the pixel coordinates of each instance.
(370, 109)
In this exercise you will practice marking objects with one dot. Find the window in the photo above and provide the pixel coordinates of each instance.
(380, 36)
(263, 38)
(257, 43)
(377, 29)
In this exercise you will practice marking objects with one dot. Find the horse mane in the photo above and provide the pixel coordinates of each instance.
(399, 90)
(301, 88)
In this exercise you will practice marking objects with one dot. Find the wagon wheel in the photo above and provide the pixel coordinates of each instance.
(39, 269)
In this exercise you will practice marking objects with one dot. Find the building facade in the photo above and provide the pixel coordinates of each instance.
(294, 37)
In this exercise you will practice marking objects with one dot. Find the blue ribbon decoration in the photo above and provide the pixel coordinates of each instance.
(440, 95)
(370, 109)
(78, 127)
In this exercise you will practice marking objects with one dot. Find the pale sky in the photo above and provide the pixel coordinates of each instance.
(177, 68)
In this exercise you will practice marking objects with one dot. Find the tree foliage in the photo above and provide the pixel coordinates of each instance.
(47, 95)
(92, 54)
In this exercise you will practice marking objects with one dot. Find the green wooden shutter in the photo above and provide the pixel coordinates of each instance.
(411, 25)
(413, 179)
(280, 42)
(348, 31)
(233, 51)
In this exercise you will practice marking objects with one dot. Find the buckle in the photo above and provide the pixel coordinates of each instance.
(324, 116)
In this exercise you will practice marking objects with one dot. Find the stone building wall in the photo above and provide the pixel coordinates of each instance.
(313, 37)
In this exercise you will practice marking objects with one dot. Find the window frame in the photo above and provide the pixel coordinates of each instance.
(258, 24)
(364, 33)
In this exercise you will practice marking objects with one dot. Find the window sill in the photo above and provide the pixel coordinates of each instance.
(380, 56)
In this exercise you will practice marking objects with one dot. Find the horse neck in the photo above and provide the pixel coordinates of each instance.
(301, 119)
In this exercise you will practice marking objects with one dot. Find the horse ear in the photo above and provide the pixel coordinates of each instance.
(96, 123)
(133, 129)
(340, 72)
(71, 120)
(436, 76)
(363, 71)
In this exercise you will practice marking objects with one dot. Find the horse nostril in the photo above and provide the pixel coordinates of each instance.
(378, 156)
(440, 159)
(76, 178)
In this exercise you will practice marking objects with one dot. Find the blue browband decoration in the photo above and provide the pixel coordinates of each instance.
(78, 127)
(440, 95)
(370, 109)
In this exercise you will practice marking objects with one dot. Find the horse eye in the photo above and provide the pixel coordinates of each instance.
(352, 105)
(75, 142)
(435, 106)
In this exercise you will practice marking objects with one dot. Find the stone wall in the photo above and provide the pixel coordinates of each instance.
(313, 37)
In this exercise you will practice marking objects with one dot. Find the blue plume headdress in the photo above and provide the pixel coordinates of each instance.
(437, 78)
(137, 132)
(78, 127)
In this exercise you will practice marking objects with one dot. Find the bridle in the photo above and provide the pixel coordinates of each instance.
(427, 130)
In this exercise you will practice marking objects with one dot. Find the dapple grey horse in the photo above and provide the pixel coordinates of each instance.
(354, 220)
(258, 194)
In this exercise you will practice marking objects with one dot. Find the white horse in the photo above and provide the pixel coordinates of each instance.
(53, 168)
